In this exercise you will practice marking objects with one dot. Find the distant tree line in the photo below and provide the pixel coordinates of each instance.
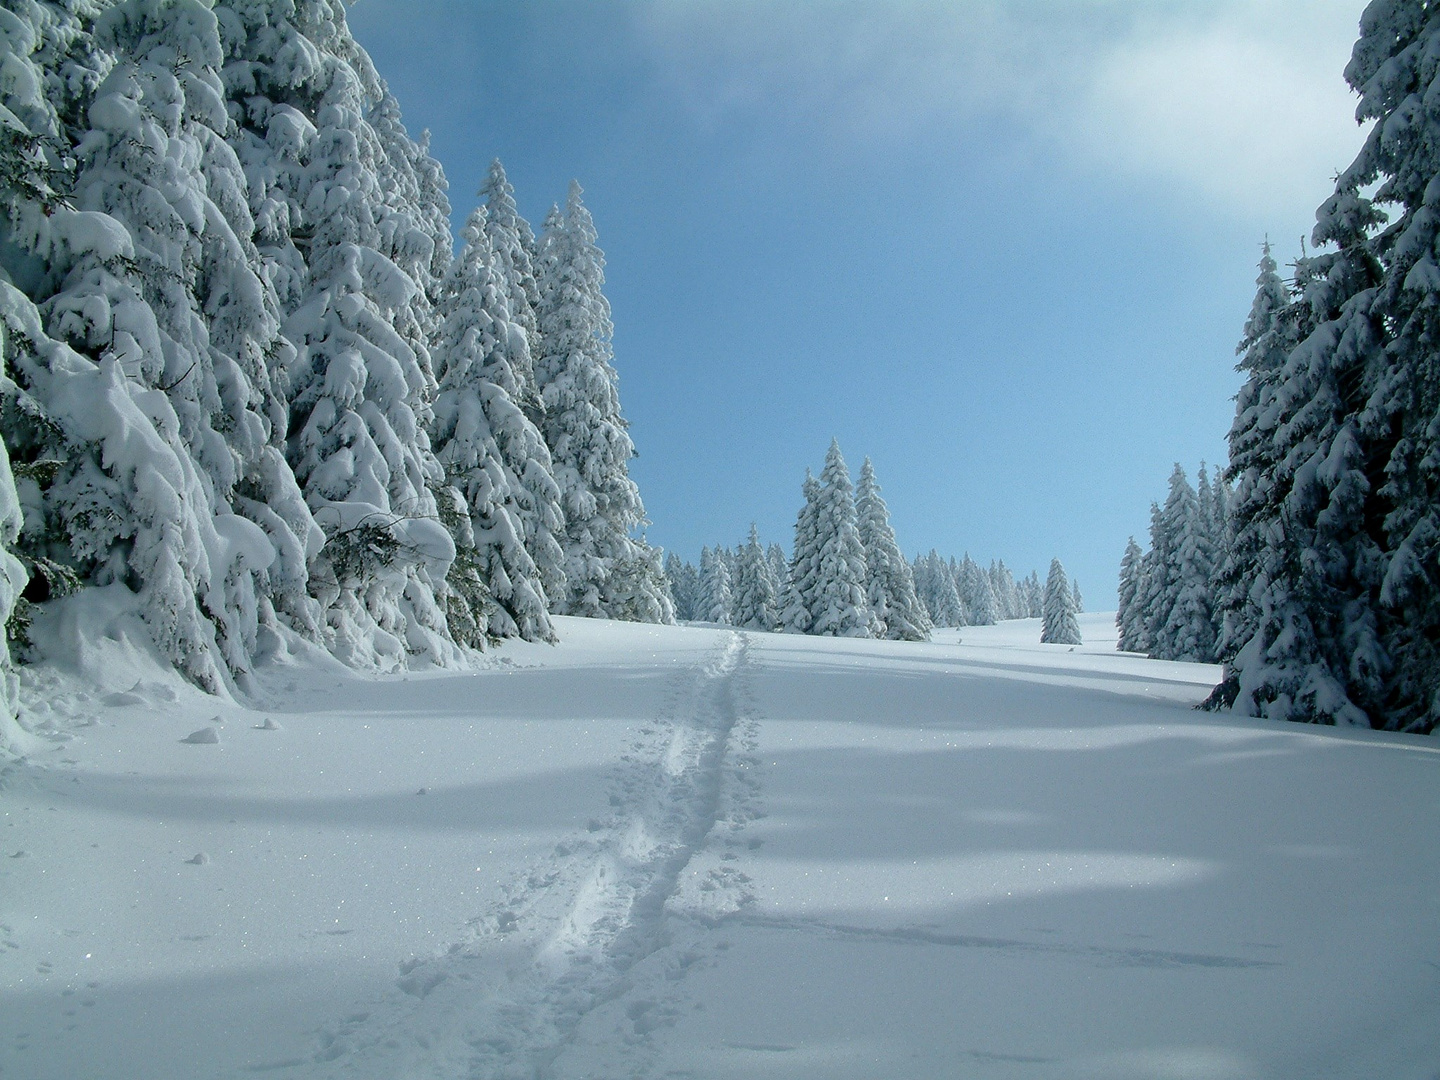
(846, 576)
(1168, 605)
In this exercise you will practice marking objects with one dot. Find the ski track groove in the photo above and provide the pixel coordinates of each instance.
(571, 935)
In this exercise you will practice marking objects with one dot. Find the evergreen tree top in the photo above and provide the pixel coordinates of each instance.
(511, 233)
(835, 474)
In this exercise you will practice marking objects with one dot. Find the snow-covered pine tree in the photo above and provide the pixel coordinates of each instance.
(796, 615)
(641, 592)
(13, 578)
(1163, 579)
(753, 600)
(609, 573)
(487, 445)
(1205, 504)
(917, 575)
(1209, 528)
(1220, 532)
(303, 94)
(779, 571)
(1007, 598)
(936, 588)
(1178, 515)
(1126, 615)
(31, 166)
(514, 243)
(1393, 67)
(1314, 653)
(839, 607)
(110, 494)
(149, 271)
(947, 577)
(731, 558)
(1075, 595)
(1059, 627)
(414, 222)
(1150, 583)
(684, 580)
(890, 586)
(1189, 629)
(715, 592)
(1213, 497)
(1034, 596)
(976, 593)
(953, 569)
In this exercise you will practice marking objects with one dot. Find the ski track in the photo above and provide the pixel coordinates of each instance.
(587, 950)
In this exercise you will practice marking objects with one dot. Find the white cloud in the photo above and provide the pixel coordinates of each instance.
(1237, 102)
(1248, 109)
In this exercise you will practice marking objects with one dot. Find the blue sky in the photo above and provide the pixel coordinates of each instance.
(1003, 249)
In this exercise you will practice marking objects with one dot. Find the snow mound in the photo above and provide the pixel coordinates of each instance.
(206, 736)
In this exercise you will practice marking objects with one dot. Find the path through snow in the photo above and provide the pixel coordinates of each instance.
(582, 955)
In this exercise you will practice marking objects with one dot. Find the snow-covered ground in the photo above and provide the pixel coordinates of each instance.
(660, 851)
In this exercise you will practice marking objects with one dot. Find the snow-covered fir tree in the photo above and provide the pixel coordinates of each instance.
(890, 586)
(1315, 652)
(1188, 632)
(1167, 593)
(1220, 538)
(1126, 614)
(731, 558)
(798, 598)
(976, 594)
(490, 450)
(513, 242)
(1060, 626)
(13, 580)
(1171, 577)
(839, 606)
(1328, 592)
(918, 575)
(935, 585)
(609, 573)
(715, 592)
(1397, 426)
(684, 581)
(1075, 595)
(1034, 596)
(1007, 596)
(640, 591)
(321, 178)
(169, 478)
(1150, 582)
(779, 571)
(754, 598)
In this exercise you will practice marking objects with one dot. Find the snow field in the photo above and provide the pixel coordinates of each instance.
(655, 851)
(366, 832)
